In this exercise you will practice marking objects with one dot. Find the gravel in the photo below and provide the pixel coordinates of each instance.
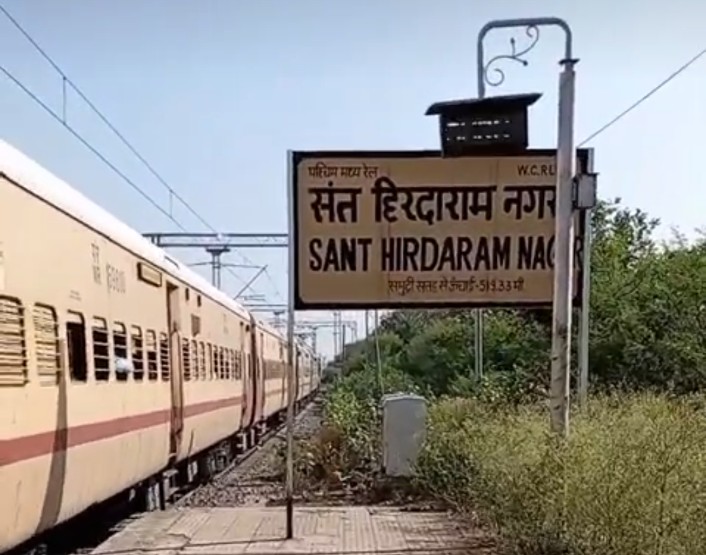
(259, 479)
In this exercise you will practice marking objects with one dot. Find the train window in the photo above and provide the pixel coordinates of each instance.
(120, 351)
(195, 359)
(164, 362)
(221, 363)
(238, 365)
(202, 361)
(76, 346)
(151, 348)
(138, 353)
(216, 362)
(13, 346)
(46, 340)
(207, 359)
(186, 358)
(228, 363)
(212, 358)
(101, 351)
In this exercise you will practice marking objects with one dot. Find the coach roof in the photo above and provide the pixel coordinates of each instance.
(31, 176)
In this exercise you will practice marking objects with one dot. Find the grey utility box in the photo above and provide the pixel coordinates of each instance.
(403, 432)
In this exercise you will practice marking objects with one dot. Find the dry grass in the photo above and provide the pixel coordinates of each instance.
(632, 480)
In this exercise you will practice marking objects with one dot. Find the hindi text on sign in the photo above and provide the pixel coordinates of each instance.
(390, 230)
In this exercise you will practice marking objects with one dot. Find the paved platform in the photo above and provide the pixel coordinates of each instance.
(322, 530)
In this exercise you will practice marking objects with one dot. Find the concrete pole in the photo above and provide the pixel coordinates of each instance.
(564, 233)
(563, 256)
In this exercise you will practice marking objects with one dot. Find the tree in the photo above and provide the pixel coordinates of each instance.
(648, 314)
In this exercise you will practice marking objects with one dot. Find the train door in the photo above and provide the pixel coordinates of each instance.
(245, 395)
(253, 387)
(177, 385)
(258, 386)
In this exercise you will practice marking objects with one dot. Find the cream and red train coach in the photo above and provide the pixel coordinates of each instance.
(120, 369)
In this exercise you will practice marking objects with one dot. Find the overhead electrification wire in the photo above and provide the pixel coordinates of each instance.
(121, 137)
(89, 146)
(625, 112)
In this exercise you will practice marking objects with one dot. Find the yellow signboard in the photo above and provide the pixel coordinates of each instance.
(413, 229)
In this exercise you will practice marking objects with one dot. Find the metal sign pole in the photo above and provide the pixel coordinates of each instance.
(564, 232)
(584, 323)
(289, 486)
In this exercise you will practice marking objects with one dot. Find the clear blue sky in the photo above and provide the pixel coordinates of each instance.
(214, 92)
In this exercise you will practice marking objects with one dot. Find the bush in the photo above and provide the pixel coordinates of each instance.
(631, 480)
(348, 449)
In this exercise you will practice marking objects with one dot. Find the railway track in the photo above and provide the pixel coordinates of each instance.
(244, 480)
(85, 532)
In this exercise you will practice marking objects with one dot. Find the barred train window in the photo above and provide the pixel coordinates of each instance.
(195, 359)
(46, 338)
(238, 365)
(120, 349)
(151, 348)
(233, 365)
(186, 358)
(202, 361)
(221, 365)
(138, 355)
(164, 361)
(228, 363)
(13, 347)
(101, 355)
(212, 360)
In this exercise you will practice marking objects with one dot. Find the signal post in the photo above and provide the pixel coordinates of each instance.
(484, 222)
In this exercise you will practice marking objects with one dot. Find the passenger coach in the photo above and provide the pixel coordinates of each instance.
(120, 368)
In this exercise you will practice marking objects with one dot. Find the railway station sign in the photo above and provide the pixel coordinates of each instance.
(415, 229)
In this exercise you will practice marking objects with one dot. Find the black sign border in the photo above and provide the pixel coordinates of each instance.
(583, 155)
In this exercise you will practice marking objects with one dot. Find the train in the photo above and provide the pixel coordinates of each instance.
(121, 370)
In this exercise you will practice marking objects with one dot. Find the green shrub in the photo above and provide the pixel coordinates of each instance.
(350, 440)
(632, 480)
